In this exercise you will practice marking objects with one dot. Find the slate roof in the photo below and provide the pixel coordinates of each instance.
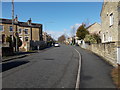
(23, 24)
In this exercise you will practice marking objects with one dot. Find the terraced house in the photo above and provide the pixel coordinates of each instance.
(29, 33)
(110, 21)
(110, 30)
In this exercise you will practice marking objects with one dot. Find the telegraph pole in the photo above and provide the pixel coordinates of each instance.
(13, 20)
(13, 26)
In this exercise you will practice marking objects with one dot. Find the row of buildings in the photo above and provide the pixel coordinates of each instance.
(109, 29)
(31, 34)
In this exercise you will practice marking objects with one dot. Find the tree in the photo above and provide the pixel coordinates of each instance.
(62, 38)
(9, 39)
(13, 42)
(97, 38)
(19, 42)
(82, 32)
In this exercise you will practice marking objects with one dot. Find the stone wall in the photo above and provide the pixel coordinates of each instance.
(106, 50)
(7, 51)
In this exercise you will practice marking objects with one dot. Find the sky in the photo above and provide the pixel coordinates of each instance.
(57, 17)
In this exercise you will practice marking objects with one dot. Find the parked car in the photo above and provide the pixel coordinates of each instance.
(56, 45)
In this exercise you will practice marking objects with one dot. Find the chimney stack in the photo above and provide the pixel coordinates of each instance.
(29, 21)
(16, 18)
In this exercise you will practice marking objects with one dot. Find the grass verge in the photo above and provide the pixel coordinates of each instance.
(116, 76)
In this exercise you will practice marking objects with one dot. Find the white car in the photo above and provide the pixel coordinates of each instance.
(56, 45)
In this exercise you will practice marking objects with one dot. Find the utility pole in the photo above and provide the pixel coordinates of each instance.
(16, 48)
(13, 20)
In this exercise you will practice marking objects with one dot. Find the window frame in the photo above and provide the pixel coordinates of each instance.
(21, 31)
(25, 31)
(9, 28)
(25, 38)
(111, 18)
(2, 27)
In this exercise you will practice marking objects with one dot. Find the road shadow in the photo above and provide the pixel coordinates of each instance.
(23, 53)
(9, 65)
(49, 59)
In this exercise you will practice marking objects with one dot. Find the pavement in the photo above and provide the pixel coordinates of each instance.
(22, 55)
(95, 72)
(9, 58)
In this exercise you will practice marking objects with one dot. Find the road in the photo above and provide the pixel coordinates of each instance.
(57, 67)
(53, 68)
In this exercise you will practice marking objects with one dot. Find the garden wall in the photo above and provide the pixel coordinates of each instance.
(106, 50)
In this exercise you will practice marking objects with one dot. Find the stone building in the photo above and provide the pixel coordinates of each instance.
(95, 28)
(47, 37)
(28, 32)
(110, 33)
(110, 22)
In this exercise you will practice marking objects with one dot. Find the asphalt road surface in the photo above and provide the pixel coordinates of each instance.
(57, 67)
(53, 68)
(95, 72)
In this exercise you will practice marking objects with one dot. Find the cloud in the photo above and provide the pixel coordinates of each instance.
(66, 32)
(76, 25)
(55, 34)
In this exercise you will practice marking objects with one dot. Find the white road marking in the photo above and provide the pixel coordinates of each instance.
(78, 75)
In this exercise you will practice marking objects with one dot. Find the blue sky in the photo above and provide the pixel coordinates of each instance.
(57, 17)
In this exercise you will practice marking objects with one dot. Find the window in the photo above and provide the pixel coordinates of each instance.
(20, 31)
(26, 38)
(3, 38)
(104, 37)
(26, 31)
(11, 28)
(1, 27)
(111, 19)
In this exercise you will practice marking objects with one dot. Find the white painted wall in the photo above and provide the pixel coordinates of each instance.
(118, 55)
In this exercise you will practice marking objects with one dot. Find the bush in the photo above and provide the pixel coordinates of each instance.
(19, 42)
(92, 38)
(9, 39)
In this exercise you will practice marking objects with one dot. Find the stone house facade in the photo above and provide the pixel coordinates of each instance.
(110, 33)
(95, 28)
(28, 32)
(110, 22)
(47, 37)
